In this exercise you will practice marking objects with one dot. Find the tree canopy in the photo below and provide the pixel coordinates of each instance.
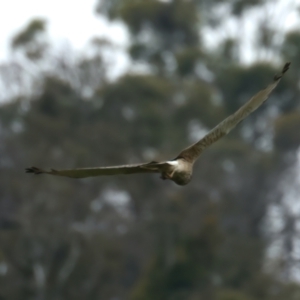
(231, 234)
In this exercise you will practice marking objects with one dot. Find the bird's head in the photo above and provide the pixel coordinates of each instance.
(181, 178)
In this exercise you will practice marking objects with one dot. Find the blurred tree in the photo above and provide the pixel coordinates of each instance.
(31, 40)
(139, 237)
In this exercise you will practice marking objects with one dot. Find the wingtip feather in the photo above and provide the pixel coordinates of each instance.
(284, 69)
(33, 170)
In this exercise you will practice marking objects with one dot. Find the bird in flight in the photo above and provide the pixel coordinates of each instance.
(180, 168)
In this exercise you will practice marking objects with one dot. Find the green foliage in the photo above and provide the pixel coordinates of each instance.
(290, 51)
(29, 33)
(239, 6)
(232, 295)
(287, 132)
(131, 104)
(174, 21)
(191, 265)
(187, 60)
(239, 83)
(290, 47)
(229, 51)
(170, 25)
(29, 39)
(200, 102)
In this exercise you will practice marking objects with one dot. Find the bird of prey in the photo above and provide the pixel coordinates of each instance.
(180, 168)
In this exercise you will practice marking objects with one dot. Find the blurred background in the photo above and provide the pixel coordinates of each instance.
(156, 78)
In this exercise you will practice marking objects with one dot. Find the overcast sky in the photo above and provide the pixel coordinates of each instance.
(72, 20)
(75, 21)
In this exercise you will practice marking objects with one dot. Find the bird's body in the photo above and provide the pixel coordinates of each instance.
(179, 169)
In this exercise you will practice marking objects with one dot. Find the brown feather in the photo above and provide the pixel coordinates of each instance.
(152, 167)
(193, 152)
(181, 168)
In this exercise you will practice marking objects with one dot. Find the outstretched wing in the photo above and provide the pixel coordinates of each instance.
(192, 152)
(152, 167)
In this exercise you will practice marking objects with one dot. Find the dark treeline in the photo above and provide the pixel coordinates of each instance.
(138, 237)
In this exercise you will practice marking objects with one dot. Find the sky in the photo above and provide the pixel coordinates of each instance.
(76, 26)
